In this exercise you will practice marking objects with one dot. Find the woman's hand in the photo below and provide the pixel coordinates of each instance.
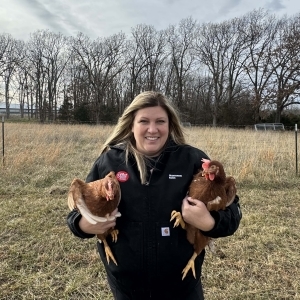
(195, 213)
(98, 228)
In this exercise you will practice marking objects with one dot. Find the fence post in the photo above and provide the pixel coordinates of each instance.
(3, 140)
(296, 150)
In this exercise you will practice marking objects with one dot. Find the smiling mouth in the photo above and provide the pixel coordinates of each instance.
(151, 138)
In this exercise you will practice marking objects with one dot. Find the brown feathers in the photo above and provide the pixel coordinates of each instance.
(216, 191)
(96, 201)
(212, 187)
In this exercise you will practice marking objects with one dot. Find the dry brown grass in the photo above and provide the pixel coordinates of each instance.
(40, 259)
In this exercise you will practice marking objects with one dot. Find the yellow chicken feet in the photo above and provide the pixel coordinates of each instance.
(177, 215)
(109, 253)
(190, 265)
(114, 235)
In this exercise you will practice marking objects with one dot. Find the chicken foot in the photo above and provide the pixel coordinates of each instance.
(179, 220)
(109, 255)
(108, 252)
(190, 265)
(114, 235)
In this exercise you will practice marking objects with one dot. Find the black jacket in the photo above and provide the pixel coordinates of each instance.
(149, 259)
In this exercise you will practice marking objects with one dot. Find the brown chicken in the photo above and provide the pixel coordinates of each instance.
(96, 201)
(212, 187)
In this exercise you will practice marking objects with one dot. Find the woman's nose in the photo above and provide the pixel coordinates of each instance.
(152, 127)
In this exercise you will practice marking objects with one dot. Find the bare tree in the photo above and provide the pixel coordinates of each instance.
(153, 44)
(212, 46)
(103, 59)
(36, 66)
(137, 63)
(235, 57)
(199, 102)
(212, 71)
(285, 82)
(48, 56)
(9, 60)
(21, 75)
(146, 54)
(76, 84)
(4, 45)
(261, 32)
(182, 58)
(222, 48)
(28, 85)
(56, 56)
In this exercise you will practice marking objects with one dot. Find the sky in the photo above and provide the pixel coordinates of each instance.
(103, 18)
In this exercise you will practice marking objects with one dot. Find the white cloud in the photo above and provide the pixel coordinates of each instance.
(97, 18)
(275, 5)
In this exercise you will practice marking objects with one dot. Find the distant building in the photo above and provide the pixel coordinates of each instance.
(14, 108)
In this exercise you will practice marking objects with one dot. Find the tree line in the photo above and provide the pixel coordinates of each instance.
(241, 71)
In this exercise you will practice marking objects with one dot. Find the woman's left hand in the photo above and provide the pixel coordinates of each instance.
(195, 213)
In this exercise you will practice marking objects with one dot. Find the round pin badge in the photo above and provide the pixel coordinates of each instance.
(122, 176)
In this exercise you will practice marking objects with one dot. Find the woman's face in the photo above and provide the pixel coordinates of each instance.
(151, 130)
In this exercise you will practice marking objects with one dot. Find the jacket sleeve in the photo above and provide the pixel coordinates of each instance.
(227, 221)
(73, 222)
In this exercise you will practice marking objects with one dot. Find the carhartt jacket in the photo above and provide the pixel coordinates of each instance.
(150, 253)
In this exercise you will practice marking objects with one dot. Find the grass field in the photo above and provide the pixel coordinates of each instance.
(41, 259)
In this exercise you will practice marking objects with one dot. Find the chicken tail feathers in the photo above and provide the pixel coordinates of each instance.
(74, 191)
(230, 187)
(71, 203)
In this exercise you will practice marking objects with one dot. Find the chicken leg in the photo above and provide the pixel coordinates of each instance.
(190, 266)
(195, 237)
(101, 238)
(179, 221)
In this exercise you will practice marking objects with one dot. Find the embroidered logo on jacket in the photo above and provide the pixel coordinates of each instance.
(174, 176)
(122, 176)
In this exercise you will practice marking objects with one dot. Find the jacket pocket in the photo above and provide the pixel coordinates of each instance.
(173, 250)
(127, 250)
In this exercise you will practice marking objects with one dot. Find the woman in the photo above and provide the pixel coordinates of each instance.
(155, 166)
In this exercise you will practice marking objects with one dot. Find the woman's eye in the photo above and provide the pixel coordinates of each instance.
(157, 122)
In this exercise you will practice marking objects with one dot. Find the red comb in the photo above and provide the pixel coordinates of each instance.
(205, 164)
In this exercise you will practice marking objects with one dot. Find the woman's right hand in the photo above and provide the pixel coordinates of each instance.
(98, 228)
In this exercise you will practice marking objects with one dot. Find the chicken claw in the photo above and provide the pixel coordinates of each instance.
(179, 220)
(114, 235)
(190, 265)
(109, 253)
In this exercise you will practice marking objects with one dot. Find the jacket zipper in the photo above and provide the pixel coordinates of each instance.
(152, 170)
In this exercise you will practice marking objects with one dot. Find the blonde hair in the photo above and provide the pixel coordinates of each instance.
(122, 132)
